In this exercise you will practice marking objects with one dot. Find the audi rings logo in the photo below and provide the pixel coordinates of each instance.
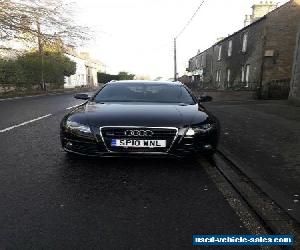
(139, 133)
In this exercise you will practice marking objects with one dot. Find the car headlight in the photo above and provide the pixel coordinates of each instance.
(78, 127)
(199, 129)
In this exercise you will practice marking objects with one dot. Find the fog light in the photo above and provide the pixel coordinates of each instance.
(69, 144)
(208, 147)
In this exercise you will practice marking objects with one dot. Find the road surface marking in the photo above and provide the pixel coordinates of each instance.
(73, 107)
(24, 123)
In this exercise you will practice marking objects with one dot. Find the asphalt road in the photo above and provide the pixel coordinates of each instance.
(49, 201)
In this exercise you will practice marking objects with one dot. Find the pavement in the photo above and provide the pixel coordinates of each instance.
(50, 201)
(228, 95)
(263, 139)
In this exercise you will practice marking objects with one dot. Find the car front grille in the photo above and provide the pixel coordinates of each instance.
(109, 133)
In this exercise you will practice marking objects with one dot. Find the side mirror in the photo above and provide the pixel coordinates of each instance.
(205, 98)
(82, 96)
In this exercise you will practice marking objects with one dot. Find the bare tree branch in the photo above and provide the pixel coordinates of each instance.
(40, 21)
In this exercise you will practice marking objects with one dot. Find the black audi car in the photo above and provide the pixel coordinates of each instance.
(126, 118)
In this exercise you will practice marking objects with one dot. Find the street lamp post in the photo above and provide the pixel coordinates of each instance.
(175, 60)
(179, 34)
(41, 52)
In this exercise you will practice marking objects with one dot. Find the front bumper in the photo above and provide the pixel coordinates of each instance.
(181, 146)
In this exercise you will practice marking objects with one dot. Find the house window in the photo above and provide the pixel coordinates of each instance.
(228, 75)
(203, 60)
(218, 76)
(247, 74)
(220, 52)
(192, 65)
(230, 48)
(245, 42)
(243, 74)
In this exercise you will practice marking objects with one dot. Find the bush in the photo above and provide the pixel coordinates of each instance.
(8, 69)
(105, 78)
(27, 69)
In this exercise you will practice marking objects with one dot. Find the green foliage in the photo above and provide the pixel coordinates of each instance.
(28, 69)
(125, 76)
(105, 78)
(8, 69)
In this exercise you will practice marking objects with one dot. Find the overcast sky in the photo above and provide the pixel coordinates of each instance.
(137, 35)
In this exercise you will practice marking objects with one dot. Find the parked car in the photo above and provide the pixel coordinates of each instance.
(127, 118)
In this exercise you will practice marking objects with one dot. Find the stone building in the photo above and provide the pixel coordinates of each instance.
(86, 69)
(79, 78)
(259, 56)
(200, 68)
(236, 60)
(295, 81)
(92, 66)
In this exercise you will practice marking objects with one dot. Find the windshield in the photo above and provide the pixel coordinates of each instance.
(141, 92)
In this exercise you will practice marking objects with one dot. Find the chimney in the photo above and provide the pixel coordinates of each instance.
(261, 9)
(247, 20)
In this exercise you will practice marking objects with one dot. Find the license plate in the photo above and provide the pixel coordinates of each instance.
(128, 143)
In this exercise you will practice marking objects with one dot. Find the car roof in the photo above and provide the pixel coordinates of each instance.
(145, 82)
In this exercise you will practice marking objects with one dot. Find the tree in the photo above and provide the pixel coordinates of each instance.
(40, 22)
(8, 69)
(26, 69)
(55, 67)
(105, 78)
(125, 76)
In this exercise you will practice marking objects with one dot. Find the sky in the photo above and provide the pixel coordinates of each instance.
(137, 35)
